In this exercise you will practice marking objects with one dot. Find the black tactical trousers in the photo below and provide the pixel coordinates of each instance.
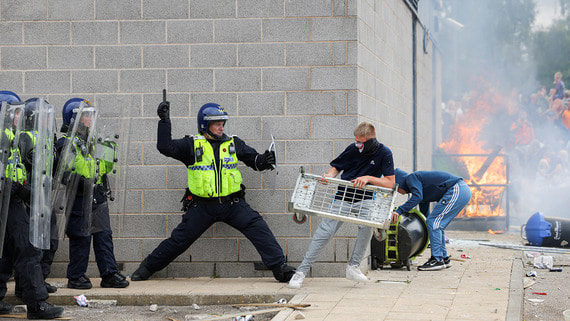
(20, 255)
(201, 215)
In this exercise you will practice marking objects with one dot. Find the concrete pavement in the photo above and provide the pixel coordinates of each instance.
(486, 284)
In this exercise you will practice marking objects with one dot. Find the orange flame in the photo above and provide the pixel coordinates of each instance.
(467, 138)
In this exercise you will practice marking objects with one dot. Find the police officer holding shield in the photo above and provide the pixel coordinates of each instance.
(79, 167)
(19, 252)
(214, 184)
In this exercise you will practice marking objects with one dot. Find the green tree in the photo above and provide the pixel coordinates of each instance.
(551, 51)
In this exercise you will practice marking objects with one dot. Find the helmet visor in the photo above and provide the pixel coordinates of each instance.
(216, 117)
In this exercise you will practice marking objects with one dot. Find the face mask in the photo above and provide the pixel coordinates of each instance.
(370, 146)
(360, 146)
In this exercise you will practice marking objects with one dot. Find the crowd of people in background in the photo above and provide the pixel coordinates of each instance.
(532, 128)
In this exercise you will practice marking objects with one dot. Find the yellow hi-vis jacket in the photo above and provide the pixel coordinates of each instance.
(208, 179)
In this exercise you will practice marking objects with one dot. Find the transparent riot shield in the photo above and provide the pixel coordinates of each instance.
(36, 149)
(76, 172)
(11, 121)
(113, 142)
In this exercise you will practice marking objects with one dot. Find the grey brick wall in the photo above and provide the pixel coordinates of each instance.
(310, 69)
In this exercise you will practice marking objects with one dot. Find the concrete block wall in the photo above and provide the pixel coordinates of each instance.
(311, 70)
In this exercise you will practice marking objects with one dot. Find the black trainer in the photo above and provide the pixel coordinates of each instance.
(82, 283)
(142, 273)
(115, 280)
(5, 308)
(447, 262)
(283, 273)
(432, 265)
(44, 310)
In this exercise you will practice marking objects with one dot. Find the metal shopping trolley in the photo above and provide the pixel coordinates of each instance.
(370, 206)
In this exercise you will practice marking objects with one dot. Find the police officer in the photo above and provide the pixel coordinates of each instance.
(80, 240)
(19, 254)
(27, 143)
(215, 187)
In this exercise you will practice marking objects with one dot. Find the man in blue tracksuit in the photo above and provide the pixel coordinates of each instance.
(451, 194)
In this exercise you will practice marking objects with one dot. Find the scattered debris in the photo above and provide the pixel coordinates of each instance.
(284, 305)
(153, 307)
(230, 316)
(299, 316)
(558, 269)
(463, 256)
(527, 248)
(543, 262)
(195, 306)
(81, 300)
(394, 281)
(528, 282)
(531, 273)
(248, 317)
(282, 300)
(531, 254)
(536, 300)
(539, 293)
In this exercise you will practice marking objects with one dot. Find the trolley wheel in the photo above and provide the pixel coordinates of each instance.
(299, 218)
(409, 264)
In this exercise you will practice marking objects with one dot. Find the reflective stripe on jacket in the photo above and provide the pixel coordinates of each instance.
(208, 179)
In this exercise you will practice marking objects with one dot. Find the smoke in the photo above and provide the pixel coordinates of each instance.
(490, 87)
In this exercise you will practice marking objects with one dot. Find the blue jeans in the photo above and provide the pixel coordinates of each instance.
(327, 229)
(452, 202)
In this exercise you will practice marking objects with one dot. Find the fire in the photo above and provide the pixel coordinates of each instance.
(479, 153)
(496, 232)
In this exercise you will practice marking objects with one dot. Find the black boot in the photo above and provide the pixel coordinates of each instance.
(115, 280)
(44, 310)
(283, 273)
(50, 288)
(142, 273)
(5, 308)
(82, 283)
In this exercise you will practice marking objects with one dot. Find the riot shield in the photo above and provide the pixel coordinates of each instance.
(36, 149)
(10, 125)
(113, 142)
(76, 173)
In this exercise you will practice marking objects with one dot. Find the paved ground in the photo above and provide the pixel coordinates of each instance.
(486, 284)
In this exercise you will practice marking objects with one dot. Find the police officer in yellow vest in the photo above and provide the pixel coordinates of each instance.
(214, 182)
(27, 143)
(89, 173)
(19, 253)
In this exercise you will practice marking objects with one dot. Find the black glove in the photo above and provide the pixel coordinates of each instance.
(265, 160)
(163, 110)
(269, 158)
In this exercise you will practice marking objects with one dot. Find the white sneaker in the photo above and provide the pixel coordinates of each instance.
(297, 280)
(353, 273)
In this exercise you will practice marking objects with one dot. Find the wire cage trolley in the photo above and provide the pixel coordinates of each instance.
(370, 206)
